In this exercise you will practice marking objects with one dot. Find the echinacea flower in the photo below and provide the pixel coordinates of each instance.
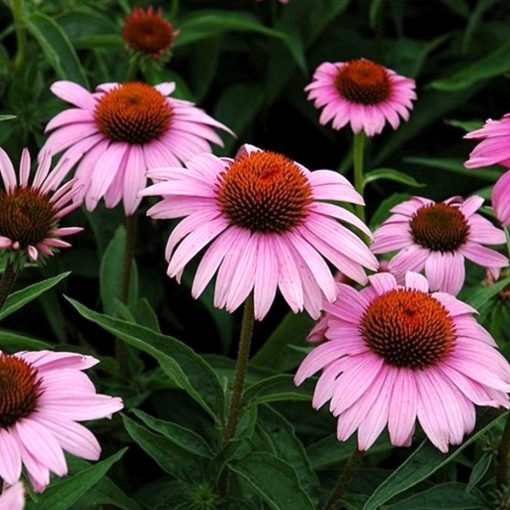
(396, 354)
(13, 497)
(437, 237)
(501, 199)
(148, 33)
(494, 149)
(122, 130)
(44, 394)
(30, 211)
(268, 226)
(362, 93)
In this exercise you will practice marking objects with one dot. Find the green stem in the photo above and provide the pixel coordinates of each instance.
(359, 180)
(132, 69)
(243, 355)
(345, 479)
(120, 346)
(503, 456)
(174, 10)
(7, 282)
(21, 34)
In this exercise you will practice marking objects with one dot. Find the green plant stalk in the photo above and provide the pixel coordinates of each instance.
(132, 68)
(7, 282)
(344, 480)
(120, 346)
(21, 34)
(174, 10)
(243, 355)
(359, 179)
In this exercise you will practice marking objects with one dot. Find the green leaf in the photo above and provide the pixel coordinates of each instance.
(373, 13)
(209, 23)
(465, 125)
(383, 211)
(63, 493)
(7, 117)
(479, 470)
(180, 436)
(57, 48)
(181, 364)
(496, 63)
(455, 166)
(172, 459)
(275, 353)
(425, 461)
(391, 175)
(483, 295)
(145, 315)
(276, 388)
(445, 496)
(274, 480)
(111, 271)
(20, 298)
(12, 342)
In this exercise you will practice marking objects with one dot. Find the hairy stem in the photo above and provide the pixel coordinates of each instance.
(344, 480)
(7, 282)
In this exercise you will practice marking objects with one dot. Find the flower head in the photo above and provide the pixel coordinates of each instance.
(148, 33)
(438, 237)
(13, 497)
(501, 199)
(30, 212)
(494, 149)
(269, 227)
(120, 131)
(44, 394)
(363, 93)
(398, 353)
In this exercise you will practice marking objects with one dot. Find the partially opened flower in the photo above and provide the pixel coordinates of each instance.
(122, 130)
(265, 225)
(437, 237)
(148, 33)
(44, 394)
(13, 497)
(494, 149)
(362, 93)
(501, 199)
(31, 209)
(397, 354)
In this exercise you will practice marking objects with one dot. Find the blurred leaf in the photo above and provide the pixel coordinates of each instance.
(172, 459)
(7, 117)
(184, 438)
(12, 341)
(20, 298)
(56, 47)
(425, 461)
(481, 296)
(479, 470)
(374, 12)
(277, 387)
(465, 125)
(274, 480)
(445, 496)
(184, 367)
(474, 21)
(275, 353)
(391, 175)
(204, 65)
(460, 7)
(494, 64)
(63, 493)
(455, 166)
(208, 23)
(111, 273)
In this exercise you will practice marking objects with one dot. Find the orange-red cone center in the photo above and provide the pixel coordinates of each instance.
(408, 328)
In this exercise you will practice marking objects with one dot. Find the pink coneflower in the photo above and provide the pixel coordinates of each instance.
(438, 237)
(30, 212)
(13, 497)
(43, 395)
(396, 354)
(121, 131)
(269, 227)
(148, 33)
(501, 199)
(494, 149)
(363, 93)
